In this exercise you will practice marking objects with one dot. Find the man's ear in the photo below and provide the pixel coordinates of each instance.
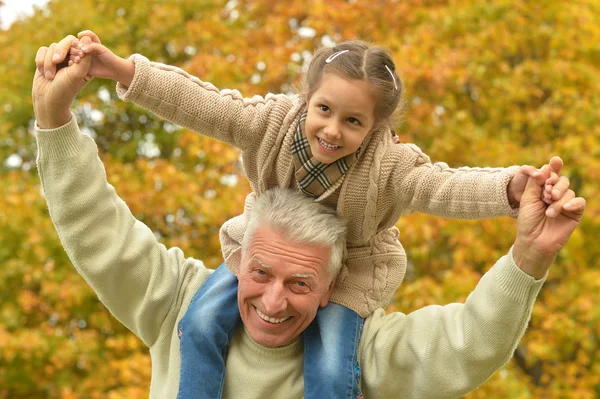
(325, 299)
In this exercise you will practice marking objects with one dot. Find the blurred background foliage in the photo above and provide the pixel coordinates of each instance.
(489, 83)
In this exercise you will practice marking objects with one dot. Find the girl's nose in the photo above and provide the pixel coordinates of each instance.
(333, 131)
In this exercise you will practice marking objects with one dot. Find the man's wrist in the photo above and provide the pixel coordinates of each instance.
(528, 260)
(55, 120)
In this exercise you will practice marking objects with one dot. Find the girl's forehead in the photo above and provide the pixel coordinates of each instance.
(356, 95)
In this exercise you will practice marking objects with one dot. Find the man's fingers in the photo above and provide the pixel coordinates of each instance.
(560, 187)
(91, 35)
(39, 59)
(533, 191)
(574, 208)
(62, 49)
(49, 67)
(556, 208)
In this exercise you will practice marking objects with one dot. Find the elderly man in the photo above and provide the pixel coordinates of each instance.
(291, 254)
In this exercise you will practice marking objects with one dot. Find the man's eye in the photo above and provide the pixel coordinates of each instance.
(302, 284)
(261, 272)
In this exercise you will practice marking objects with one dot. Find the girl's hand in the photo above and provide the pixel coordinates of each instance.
(105, 64)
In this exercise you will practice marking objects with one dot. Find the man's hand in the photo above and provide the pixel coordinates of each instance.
(539, 237)
(105, 64)
(54, 91)
(555, 187)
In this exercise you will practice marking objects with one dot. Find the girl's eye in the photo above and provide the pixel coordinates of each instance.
(324, 108)
(354, 121)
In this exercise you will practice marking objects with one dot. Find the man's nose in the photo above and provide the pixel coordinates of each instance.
(274, 300)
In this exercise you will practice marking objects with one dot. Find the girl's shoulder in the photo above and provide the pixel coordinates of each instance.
(396, 151)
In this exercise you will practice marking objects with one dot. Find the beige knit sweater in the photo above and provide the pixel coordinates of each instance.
(387, 181)
(434, 352)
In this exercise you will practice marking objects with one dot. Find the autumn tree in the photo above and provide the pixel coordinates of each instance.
(492, 83)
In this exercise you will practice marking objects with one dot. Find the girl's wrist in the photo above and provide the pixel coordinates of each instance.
(125, 72)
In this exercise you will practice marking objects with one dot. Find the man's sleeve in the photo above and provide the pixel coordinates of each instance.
(447, 351)
(136, 277)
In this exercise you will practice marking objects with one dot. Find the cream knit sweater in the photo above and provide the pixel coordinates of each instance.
(387, 181)
(435, 352)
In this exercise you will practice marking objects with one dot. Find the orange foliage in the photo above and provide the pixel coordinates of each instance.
(491, 83)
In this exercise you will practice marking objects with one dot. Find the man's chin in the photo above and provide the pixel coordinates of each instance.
(270, 340)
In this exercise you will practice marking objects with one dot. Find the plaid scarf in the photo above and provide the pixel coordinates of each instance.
(314, 177)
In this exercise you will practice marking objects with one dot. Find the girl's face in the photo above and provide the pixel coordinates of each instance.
(340, 116)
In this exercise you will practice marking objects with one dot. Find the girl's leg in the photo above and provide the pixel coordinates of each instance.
(331, 367)
(204, 332)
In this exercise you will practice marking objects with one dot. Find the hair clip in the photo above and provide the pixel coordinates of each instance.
(393, 77)
(332, 56)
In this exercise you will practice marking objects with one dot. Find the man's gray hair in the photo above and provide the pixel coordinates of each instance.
(300, 219)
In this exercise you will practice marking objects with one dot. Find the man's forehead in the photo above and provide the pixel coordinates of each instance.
(268, 267)
(272, 248)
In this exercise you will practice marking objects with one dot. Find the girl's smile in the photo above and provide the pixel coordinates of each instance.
(340, 116)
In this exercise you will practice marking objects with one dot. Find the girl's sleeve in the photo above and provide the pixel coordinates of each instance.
(417, 184)
(185, 100)
(136, 277)
(447, 351)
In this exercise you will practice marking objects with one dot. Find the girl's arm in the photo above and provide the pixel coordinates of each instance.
(185, 100)
(437, 189)
(178, 97)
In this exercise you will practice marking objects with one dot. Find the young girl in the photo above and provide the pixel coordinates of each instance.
(336, 144)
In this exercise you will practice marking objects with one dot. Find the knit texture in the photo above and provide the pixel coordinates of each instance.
(388, 179)
(435, 352)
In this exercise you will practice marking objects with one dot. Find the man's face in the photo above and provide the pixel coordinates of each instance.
(281, 285)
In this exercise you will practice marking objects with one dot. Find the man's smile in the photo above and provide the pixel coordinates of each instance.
(271, 319)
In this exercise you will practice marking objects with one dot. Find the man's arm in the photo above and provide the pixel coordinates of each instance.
(448, 351)
(137, 278)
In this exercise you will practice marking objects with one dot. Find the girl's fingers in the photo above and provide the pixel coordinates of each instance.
(90, 34)
(541, 175)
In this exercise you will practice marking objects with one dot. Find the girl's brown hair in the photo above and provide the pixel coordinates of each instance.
(361, 62)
